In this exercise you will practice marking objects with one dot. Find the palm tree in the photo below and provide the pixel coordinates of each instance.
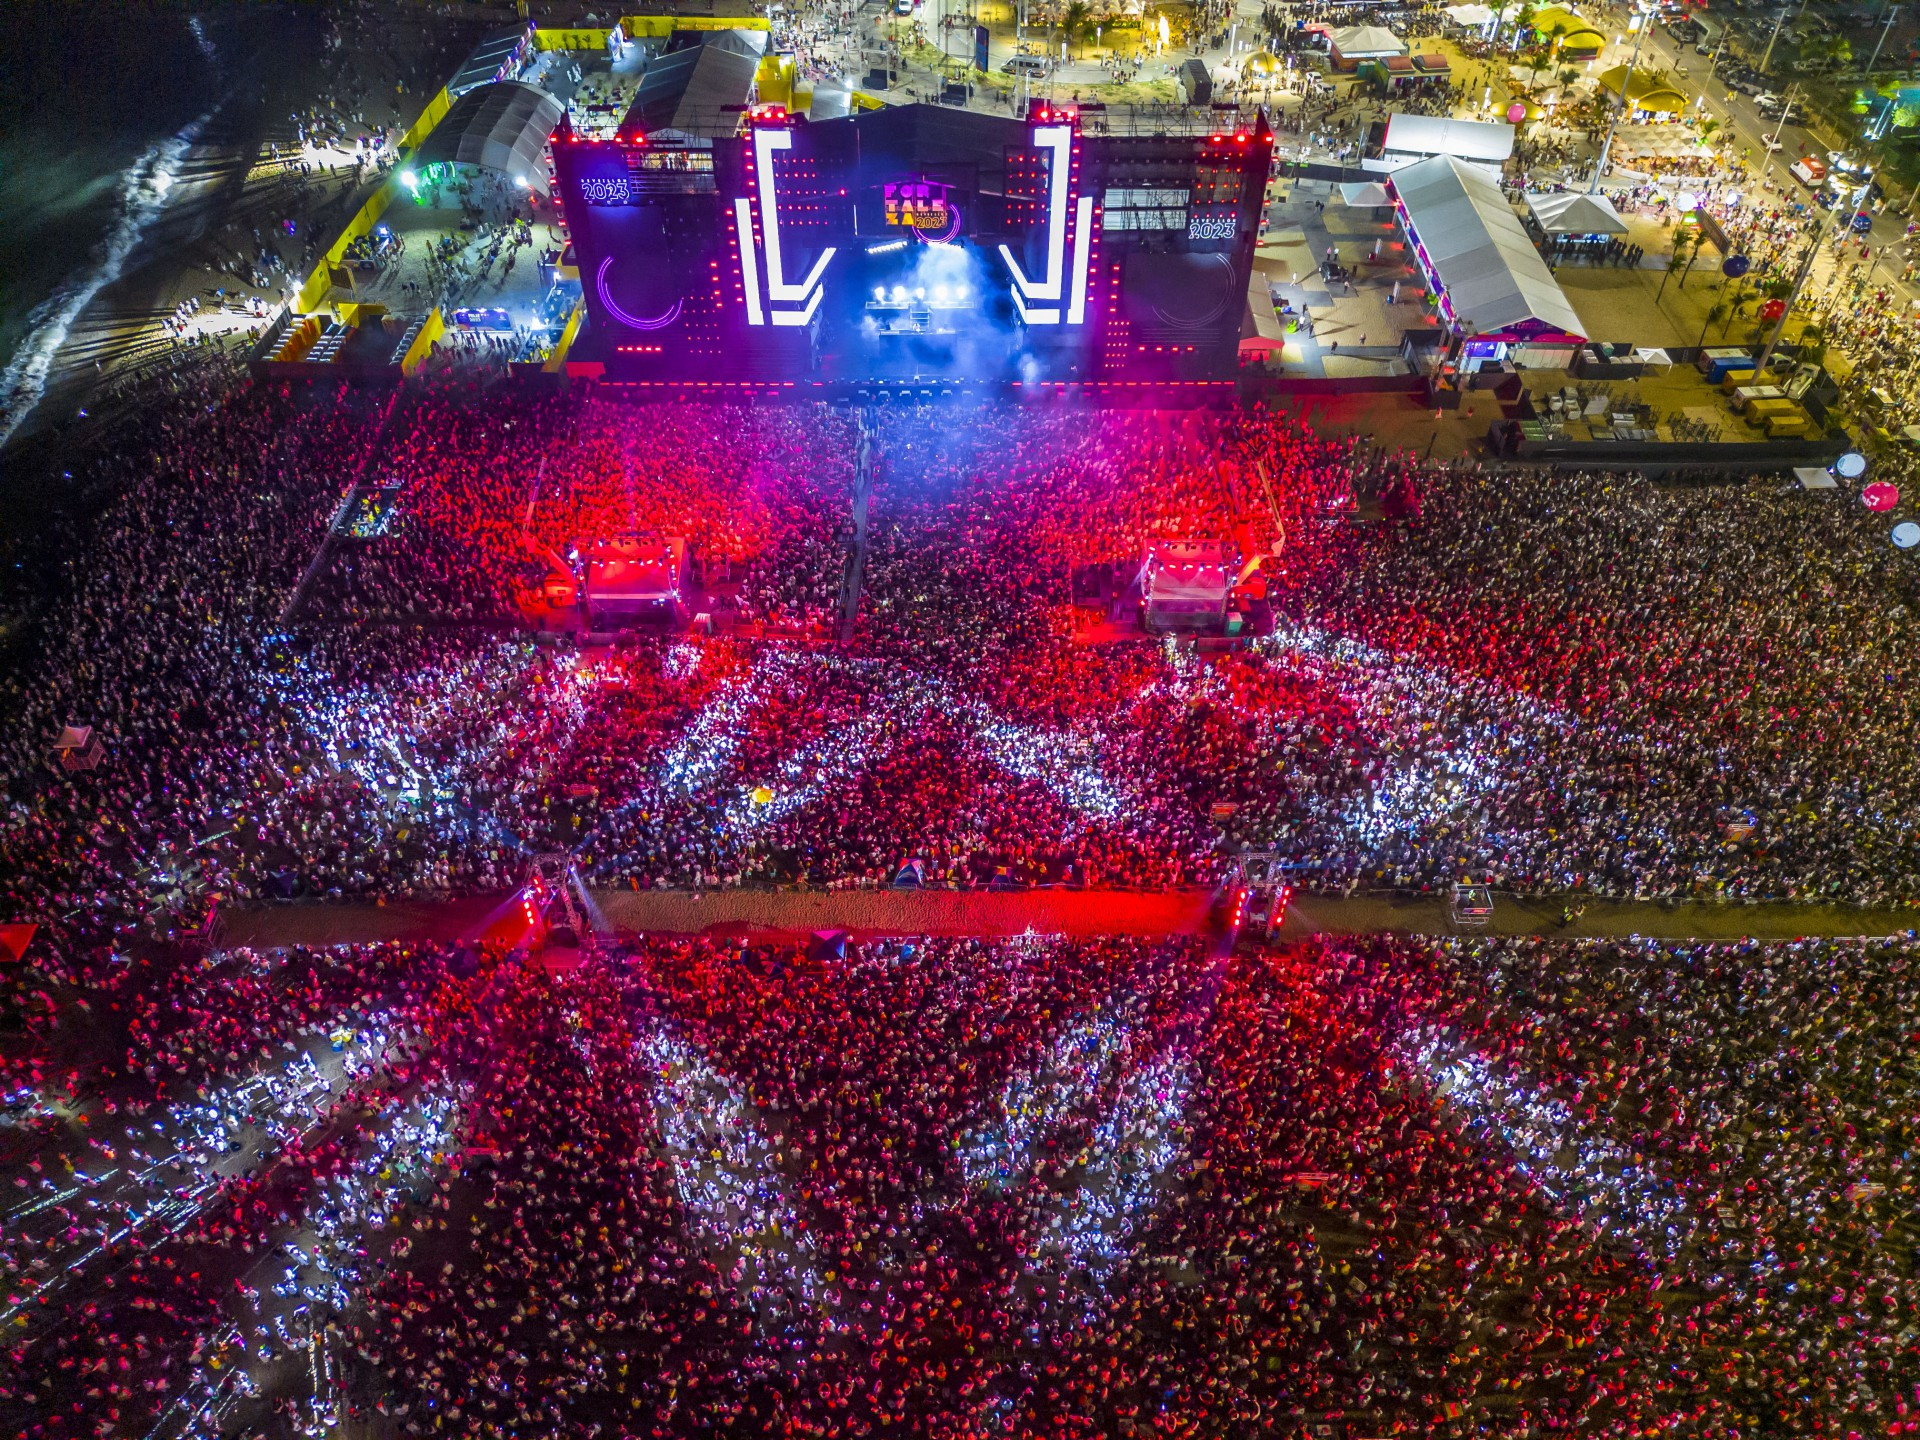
(1831, 52)
(1523, 18)
(1707, 129)
(1076, 20)
(1683, 245)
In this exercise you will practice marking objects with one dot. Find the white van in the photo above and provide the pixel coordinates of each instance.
(1034, 67)
(1809, 171)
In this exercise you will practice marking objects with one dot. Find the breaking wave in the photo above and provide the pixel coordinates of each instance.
(144, 188)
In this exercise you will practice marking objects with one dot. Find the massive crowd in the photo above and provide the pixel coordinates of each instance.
(962, 1187)
(1671, 692)
(1739, 1114)
(958, 1187)
(1474, 684)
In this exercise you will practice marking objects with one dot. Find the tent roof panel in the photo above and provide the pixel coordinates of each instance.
(1567, 212)
(483, 65)
(1493, 275)
(503, 126)
(689, 87)
(1365, 42)
(1435, 135)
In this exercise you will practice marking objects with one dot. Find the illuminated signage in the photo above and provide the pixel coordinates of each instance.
(1210, 227)
(1062, 210)
(780, 291)
(920, 203)
(605, 189)
(626, 317)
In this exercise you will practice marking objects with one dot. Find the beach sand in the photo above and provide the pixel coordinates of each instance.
(389, 61)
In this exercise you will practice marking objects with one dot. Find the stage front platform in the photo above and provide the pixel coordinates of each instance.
(1103, 394)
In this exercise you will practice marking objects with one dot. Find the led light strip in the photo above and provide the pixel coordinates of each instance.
(749, 264)
(1082, 251)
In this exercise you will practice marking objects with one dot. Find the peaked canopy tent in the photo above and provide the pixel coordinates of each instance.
(1364, 42)
(1363, 193)
(830, 103)
(1493, 287)
(502, 127)
(696, 89)
(1567, 212)
(1481, 17)
(14, 940)
(76, 747)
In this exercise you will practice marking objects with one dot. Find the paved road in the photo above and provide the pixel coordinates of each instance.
(1068, 912)
(1692, 72)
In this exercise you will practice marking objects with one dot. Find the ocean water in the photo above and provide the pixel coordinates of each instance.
(100, 105)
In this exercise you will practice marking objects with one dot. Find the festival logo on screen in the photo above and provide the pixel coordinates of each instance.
(1212, 223)
(604, 179)
(925, 206)
(605, 189)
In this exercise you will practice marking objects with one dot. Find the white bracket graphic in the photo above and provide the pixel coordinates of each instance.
(1058, 139)
(780, 291)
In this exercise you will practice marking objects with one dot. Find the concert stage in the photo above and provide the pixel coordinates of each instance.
(916, 246)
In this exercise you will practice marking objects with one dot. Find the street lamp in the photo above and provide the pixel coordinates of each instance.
(1855, 199)
(1867, 74)
(1626, 84)
(1773, 142)
(1776, 32)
